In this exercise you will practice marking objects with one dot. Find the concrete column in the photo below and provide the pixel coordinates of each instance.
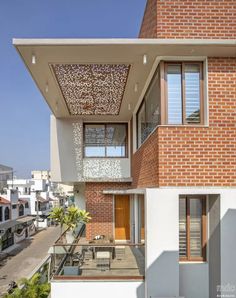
(162, 243)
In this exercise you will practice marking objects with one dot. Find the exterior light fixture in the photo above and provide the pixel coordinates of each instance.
(145, 59)
(46, 88)
(129, 107)
(136, 87)
(33, 59)
(56, 106)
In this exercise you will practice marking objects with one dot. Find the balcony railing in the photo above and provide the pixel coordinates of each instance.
(98, 260)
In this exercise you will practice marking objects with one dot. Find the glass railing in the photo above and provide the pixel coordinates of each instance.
(98, 260)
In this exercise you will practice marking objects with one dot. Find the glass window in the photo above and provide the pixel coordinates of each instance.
(174, 93)
(192, 228)
(21, 210)
(148, 116)
(183, 93)
(7, 213)
(1, 213)
(105, 140)
(192, 93)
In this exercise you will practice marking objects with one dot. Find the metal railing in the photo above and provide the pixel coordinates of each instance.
(98, 260)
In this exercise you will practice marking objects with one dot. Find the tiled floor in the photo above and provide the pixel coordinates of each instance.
(132, 264)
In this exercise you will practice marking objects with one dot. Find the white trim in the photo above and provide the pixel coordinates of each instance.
(124, 41)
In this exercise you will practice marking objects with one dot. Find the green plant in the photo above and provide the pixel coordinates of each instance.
(70, 217)
(58, 214)
(74, 216)
(31, 288)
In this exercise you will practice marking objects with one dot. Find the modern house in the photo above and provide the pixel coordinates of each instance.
(145, 130)
(15, 222)
(6, 173)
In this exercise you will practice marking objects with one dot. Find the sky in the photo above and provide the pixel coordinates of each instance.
(24, 114)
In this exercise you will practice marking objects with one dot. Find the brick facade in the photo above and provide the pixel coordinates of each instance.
(100, 206)
(208, 19)
(195, 156)
(145, 164)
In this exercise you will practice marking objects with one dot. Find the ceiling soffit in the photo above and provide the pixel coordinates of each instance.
(92, 89)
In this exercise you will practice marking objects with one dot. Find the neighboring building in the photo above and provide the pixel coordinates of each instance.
(145, 131)
(6, 173)
(15, 222)
(41, 175)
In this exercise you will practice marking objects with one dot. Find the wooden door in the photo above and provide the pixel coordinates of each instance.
(142, 219)
(122, 218)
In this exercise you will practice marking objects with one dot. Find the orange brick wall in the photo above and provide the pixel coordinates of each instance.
(149, 24)
(100, 207)
(209, 19)
(196, 156)
(144, 167)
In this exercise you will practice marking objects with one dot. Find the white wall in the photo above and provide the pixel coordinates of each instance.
(90, 289)
(228, 243)
(193, 279)
(162, 245)
(67, 162)
(162, 239)
(79, 194)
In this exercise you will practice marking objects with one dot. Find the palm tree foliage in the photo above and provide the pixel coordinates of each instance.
(69, 217)
(31, 288)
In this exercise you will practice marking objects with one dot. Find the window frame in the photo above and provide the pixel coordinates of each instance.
(105, 125)
(188, 257)
(157, 72)
(183, 97)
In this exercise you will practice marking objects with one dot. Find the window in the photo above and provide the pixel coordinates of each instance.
(7, 213)
(105, 140)
(192, 228)
(183, 93)
(14, 206)
(148, 116)
(26, 205)
(21, 210)
(1, 213)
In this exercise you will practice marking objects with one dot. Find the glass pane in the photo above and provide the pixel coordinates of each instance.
(195, 227)
(192, 93)
(94, 140)
(141, 125)
(182, 228)
(116, 140)
(152, 102)
(174, 93)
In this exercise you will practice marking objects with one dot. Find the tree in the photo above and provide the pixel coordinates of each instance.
(74, 216)
(70, 217)
(31, 288)
(58, 214)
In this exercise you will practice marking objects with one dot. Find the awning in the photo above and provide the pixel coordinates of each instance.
(25, 219)
(59, 68)
(41, 200)
(12, 223)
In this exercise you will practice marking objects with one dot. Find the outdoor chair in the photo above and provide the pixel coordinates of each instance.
(120, 252)
(103, 260)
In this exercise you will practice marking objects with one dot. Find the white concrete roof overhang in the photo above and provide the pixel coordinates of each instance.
(110, 51)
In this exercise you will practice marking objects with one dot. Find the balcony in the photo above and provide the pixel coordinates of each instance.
(99, 260)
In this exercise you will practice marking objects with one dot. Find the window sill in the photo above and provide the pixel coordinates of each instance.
(193, 262)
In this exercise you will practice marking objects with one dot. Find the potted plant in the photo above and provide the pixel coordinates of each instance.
(73, 217)
(69, 218)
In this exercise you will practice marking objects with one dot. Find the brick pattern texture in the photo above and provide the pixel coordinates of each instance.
(195, 156)
(100, 206)
(209, 19)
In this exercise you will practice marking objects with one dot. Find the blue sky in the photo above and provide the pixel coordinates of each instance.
(24, 117)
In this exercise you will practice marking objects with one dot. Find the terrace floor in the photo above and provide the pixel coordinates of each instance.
(132, 264)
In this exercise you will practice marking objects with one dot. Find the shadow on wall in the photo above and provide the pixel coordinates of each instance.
(162, 277)
(166, 278)
(228, 255)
